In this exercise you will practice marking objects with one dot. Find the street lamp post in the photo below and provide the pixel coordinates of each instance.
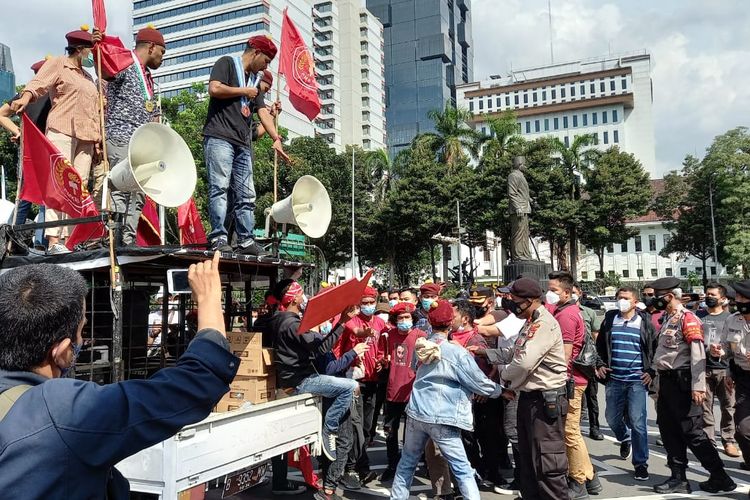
(713, 223)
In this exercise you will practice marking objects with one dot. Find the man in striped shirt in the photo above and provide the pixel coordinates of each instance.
(626, 345)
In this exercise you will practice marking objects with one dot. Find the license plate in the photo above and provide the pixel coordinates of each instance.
(244, 479)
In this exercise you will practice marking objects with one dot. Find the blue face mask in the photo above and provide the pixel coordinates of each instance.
(76, 352)
(426, 303)
(404, 326)
(326, 329)
(392, 303)
(88, 61)
(367, 310)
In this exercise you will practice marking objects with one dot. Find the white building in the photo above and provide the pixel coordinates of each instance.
(197, 33)
(608, 96)
(348, 43)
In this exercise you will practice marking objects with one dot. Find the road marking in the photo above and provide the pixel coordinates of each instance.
(609, 470)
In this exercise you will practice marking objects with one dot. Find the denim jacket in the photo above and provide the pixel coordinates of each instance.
(442, 391)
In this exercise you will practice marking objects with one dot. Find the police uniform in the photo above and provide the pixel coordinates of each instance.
(536, 371)
(735, 340)
(680, 363)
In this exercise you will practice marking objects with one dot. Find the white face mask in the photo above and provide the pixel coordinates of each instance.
(624, 305)
(552, 298)
(384, 317)
(574, 297)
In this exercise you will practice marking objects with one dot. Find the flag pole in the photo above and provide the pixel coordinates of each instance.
(275, 152)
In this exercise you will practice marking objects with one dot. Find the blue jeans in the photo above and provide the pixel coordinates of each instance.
(340, 390)
(636, 395)
(22, 213)
(229, 166)
(448, 439)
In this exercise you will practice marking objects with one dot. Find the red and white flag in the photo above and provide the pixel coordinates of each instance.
(298, 67)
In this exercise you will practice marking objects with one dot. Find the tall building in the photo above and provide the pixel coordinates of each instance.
(7, 76)
(197, 33)
(428, 51)
(610, 97)
(348, 43)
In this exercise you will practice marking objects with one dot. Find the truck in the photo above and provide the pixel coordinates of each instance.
(228, 451)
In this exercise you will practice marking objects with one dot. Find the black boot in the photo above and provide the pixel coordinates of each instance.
(576, 490)
(677, 483)
(718, 481)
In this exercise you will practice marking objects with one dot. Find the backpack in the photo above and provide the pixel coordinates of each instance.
(585, 362)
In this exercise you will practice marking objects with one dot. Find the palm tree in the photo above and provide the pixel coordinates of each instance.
(381, 170)
(503, 134)
(576, 160)
(452, 138)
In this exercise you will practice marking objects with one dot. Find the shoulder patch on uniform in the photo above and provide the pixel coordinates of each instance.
(532, 330)
(692, 328)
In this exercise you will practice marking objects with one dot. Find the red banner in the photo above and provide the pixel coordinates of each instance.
(332, 301)
(298, 67)
(189, 222)
(100, 15)
(115, 56)
(147, 234)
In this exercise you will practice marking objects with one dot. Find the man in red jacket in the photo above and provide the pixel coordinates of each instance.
(365, 327)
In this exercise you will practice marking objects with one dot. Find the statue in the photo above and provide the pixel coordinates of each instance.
(519, 208)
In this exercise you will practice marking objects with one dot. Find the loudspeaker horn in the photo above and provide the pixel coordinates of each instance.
(159, 164)
(308, 207)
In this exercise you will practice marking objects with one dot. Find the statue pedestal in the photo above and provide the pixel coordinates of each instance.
(535, 269)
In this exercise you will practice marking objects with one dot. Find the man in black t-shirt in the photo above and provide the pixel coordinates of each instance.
(234, 94)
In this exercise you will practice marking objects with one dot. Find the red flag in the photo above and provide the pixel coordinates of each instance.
(50, 179)
(100, 15)
(189, 222)
(331, 301)
(302, 460)
(298, 67)
(148, 234)
(115, 56)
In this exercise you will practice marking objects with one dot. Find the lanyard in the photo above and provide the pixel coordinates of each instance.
(147, 92)
(240, 74)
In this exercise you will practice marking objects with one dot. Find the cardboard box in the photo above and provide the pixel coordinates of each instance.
(254, 390)
(254, 361)
(245, 338)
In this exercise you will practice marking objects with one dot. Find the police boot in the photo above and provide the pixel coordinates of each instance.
(677, 483)
(718, 481)
(576, 490)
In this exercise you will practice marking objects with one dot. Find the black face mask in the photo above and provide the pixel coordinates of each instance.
(648, 301)
(660, 303)
(506, 304)
(712, 301)
(516, 308)
(480, 311)
(743, 308)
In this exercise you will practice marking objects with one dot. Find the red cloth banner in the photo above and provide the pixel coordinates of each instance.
(100, 15)
(147, 234)
(115, 56)
(298, 67)
(189, 222)
(332, 301)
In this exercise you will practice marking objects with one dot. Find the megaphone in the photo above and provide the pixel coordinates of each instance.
(308, 207)
(6, 212)
(159, 164)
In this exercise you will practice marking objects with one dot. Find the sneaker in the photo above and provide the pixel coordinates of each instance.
(57, 249)
(731, 450)
(593, 485)
(641, 473)
(251, 248)
(388, 474)
(322, 495)
(659, 442)
(350, 481)
(367, 477)
(625, 450)
(289, 488)
(596, 434)
(222, 246)
(507, 488)
(717, 482)
(329, 445)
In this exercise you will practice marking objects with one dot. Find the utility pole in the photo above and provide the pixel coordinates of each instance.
(713, 223)
(460, 264)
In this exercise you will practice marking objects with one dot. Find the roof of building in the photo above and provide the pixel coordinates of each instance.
(657, 187)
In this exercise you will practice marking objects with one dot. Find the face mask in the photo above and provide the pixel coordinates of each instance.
(499, 302)
(76, 352)
(712, 301)
(392, 303)
(660, 303)
(516, 308)
(480, 311)
(326, 329)
(574, 297)
(88, 61)
(648, 301)
(384, 317)
(368, 310)
(506, 304)
(624, 305)
(743, 308)
(303, 305)
(552, 298)
(427, 303)
(404, 326)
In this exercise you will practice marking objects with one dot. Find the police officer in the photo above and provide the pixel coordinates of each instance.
(734, 347)
(680, 362)
(536, 371)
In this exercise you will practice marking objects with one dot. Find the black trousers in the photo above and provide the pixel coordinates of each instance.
(742, 414)
(362, 415)
(592, 403)
(482, 446)
(541, 445)
(279, 469)
(392, 422)
(379, 401)
(332, 471)
(680, 423)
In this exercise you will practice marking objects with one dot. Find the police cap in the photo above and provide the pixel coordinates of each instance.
(665, 284)
(742, 288)
(527, 288)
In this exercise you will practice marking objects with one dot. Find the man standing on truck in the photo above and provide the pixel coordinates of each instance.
(85, 428)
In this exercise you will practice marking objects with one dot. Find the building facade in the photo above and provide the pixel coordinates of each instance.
(610, 97)
(428, 51)
(7, 75)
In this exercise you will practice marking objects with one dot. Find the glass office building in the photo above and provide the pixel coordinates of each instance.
(428, 51)
(7, 77)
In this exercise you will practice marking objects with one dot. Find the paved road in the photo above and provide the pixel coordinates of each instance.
(616, 474)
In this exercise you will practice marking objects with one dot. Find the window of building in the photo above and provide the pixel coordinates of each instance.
(624, 247)
(534, 96)
(498, 102)
(536, 126)
(624, 83)
(203, 54)
(365, 87)
(366, 116)
(487, 272)
(612, 84)
(544, 95)
(594, 118)
(668, 272)
(471, 105)
(546, 124)
(639, 273)
(565, 122)
(363, 46)
(598, 275)
(365, 74)
(365, 130)
(481, 105)
(194, 7)
(592, 88)
(604, 116)
(363, 32)
(666, 238)
(525, 98)
(585, 119)
(567, 141)
(507, 101)
(583, 90)
(606, 137)
(516, 99)
(528, 127)
(601, 87)
(554, 94)
(362, 18)
(626, 273)
(572, 91)
(610, 248)
(556, 123)
(575, 121)
(518, 127)
(584, 275)
(216, 35)
(638, 244)
(487, 256)
(654, 271)
(683, 271)
(699, 270)
(616, 136)
(447, 252)
(562, 92)
(614, 116)
(596, 138)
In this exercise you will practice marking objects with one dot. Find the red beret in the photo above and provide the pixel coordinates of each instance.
(442, 314)
(268, 78)
(38, 65)
(402, 307)
(79, 38)
(263, 44)
(431, 288)
(150, 35)
(370, 292)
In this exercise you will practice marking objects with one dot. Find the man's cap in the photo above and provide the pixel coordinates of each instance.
(506, 288)
(731, 293)
(370, 292)
(480, 294)
(402, 307)
(382, 307)
(267, 77)
(666, 284)
(441, 314)
(149, 34)
(742, 288)
(527, 288)
(38, 65)
(263, 44)
(80, 37)
(430, 288)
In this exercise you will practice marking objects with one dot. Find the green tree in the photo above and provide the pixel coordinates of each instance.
(452, 139)
(617, 189)
(503, 138)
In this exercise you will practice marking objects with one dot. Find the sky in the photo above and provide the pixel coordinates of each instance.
(699, 49)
